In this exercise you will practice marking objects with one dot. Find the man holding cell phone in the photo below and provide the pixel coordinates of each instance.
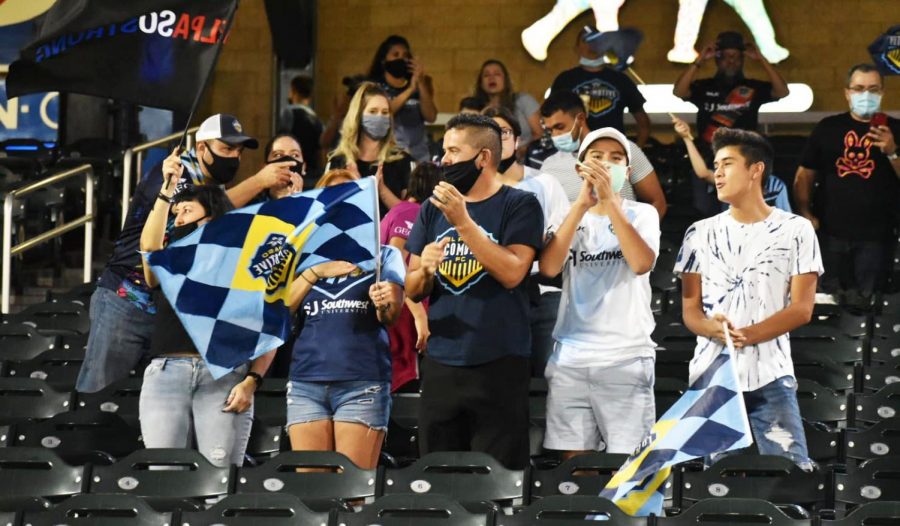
(854, 157)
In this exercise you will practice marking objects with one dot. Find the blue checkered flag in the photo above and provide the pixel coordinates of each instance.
(228, 281)
(710, 417)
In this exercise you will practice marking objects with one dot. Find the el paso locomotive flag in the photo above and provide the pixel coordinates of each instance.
(151, 52)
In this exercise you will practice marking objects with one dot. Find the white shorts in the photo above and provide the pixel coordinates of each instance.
(600, 408)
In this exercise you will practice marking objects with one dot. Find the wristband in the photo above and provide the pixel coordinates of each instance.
(302, 275)
(314, 273)
(163, 197)
(893, 156)
(256, 377)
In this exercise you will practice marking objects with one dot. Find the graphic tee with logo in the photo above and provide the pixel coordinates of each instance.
(342, 339)
(474, 319)
(606, 94)
(745, 273)
(728, 105)
(604, 315)
(859, 190)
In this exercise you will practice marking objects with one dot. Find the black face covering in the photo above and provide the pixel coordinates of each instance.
(462, 175)
(297, 168)
(222, 169)
(180, 232)
(506, 163)
(398, 68)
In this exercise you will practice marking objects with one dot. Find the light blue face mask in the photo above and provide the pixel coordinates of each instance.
(618, 173)
(565, 142)
(591, 62)
(865, 104)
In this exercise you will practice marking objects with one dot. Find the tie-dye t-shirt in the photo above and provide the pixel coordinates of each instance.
(746, 272)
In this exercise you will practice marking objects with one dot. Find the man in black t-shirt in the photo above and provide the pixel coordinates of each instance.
(727, 100)
(855, 160)
(605, 92)
(471, 248)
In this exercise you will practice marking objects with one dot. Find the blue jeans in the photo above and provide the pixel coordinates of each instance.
(119, 337)
(543, 318)
(360, 402)
(776, 423)
(179, 395)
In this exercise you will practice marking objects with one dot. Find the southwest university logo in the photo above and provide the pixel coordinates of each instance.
(272, 260)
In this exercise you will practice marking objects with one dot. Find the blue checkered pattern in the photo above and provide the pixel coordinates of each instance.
(709, 418)
(230, 314)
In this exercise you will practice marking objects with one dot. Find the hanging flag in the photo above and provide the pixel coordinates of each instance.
(152, 52)
(885, 51)
(709, 418)
(229, 280)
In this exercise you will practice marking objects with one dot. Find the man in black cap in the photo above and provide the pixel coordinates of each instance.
(121, 308)
(727, 100)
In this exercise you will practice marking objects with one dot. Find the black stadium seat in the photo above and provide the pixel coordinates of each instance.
(11, 507)
(820, 404)
(164, 477)
(580, 475)
(880, 375)
(569, 510)
(880, 440)
(872, 513)
(121, 398)
(469, 477)
(58, 367)
(409, 510)
(23, 398)
(871, 408)
(55, 318)
(885, 347)
(37, 472)
(730, 512)
(667, 391)
(81, 436)
(257, 509)
(100, 510)
(773, 478)
(873, 480)
(332, 477)
(20, 342)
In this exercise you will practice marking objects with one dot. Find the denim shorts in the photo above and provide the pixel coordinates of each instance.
(360, 402)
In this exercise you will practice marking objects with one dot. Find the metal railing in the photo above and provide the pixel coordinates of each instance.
(134, 158)
(87, 220)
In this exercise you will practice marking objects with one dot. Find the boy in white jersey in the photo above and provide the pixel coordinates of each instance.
(753, 268)
(601, 371)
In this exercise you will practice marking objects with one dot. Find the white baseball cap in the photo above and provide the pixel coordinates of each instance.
(605, 133)
(225, 128)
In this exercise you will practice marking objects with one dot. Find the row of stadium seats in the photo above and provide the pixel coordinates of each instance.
(181, 479)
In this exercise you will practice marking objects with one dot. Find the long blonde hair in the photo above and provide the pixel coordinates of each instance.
(348, 147)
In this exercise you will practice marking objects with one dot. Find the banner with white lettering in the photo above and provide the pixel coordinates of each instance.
(151, 52)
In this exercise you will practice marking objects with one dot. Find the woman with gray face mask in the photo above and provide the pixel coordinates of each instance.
(368, 148)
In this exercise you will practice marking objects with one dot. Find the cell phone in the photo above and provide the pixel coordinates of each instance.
(879, 119)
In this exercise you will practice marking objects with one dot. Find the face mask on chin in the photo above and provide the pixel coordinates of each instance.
(222, 169)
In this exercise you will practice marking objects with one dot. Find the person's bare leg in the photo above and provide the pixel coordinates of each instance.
(606, 14)
(687, 27)
(753, 13)
(537, 37)
(312, 436)
(358, 442)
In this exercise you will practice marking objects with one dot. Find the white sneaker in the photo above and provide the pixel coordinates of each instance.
(774, 53)
(536, 41)
(682, 55)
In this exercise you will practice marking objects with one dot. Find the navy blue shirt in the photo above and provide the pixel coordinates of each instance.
(473, 319)
(342, 339)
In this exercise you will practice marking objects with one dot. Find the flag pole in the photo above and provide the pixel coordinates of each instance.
(377, 222)
(212, 66)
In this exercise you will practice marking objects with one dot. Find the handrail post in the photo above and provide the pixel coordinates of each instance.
(126, 183)
(7, 249)
(89, 226)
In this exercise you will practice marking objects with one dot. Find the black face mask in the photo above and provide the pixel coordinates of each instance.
(506, 163)
(297, 168)
(462, 175)
(222, 169)
(183, 231)
(398, 68)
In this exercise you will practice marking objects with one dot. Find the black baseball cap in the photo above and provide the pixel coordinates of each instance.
(730, 40)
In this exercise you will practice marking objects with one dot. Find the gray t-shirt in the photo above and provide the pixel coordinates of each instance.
(409, 125)
(525, 108)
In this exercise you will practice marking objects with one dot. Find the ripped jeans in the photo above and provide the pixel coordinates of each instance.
(180, 401)
(775, 421)
(366, 402)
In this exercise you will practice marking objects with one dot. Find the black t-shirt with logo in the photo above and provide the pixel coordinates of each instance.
(396, 173)
(859, 188)
(472, 317)
(606, 94)
(722, 104)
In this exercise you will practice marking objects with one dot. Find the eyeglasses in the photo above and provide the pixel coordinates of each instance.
(506, 133)
(871, 89)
